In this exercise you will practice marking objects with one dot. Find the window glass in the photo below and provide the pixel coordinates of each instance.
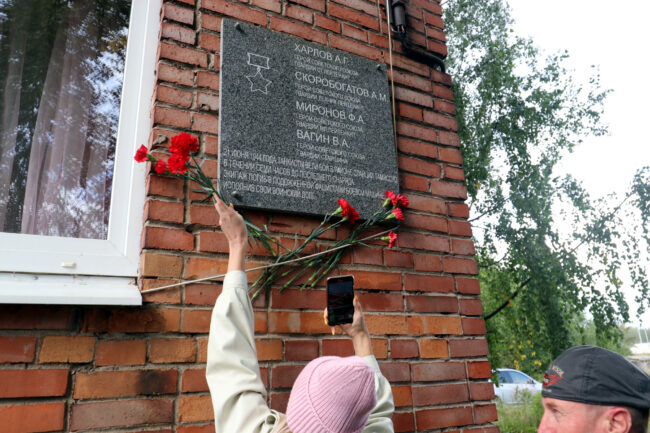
(61, 68)
(519, 378)
(504, 377)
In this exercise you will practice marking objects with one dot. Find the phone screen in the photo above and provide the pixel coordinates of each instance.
(340, 308)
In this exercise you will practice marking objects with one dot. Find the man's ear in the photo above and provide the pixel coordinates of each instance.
(619, 420)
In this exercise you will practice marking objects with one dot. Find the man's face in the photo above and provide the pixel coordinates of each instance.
(562, 416)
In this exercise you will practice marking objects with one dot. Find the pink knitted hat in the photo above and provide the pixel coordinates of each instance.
(332, 395)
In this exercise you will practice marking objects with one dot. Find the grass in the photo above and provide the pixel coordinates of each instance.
(523, 417)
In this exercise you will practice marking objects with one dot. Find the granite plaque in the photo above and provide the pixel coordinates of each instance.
(302, 125)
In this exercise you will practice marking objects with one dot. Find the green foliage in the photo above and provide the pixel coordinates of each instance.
(549, 255)
(521, 418)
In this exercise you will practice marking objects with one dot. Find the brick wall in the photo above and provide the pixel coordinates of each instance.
(136, 369)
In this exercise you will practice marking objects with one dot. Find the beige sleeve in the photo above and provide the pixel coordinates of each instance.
(381, 416)
(232, 371)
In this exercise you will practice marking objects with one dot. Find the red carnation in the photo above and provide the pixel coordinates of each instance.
(390, 198)
(392, 239)
(160, 167)
(141, 155)
(177, 163)
(184, 144)
(348, 211)
(403, 200)
(398, 215)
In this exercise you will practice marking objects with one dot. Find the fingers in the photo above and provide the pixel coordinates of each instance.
(219, 204)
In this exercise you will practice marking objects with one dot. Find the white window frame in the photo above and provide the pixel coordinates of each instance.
(58, 270)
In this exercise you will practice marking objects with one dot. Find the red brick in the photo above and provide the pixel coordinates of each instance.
(203, 349)
(279, 401)
(411, 80)
(295, 225)
(179, 14)
(455, 265)
(270, 5)
(403, 422)
(463, 246)
(377, 280)
(171, 117)
(381, 301)
(468, 348)
(193, 380)
(167, 350)
(453, 173)
(404, 348)
(300, 30)
(283, 376)
(33, 383)
(211, 145)
(203, 215)
(380, 347)
(468, 286)
(268, 349)
(22, 418)
(176, 75)
(199, 267)
(437, 371)
(188, 56)
(104, 384)
(485, 413)
(415, 147)
(400, 259)
(427, 204)
(410, 65)
(297, 323)
(318, 5)
(205, 123)
(471, 307)
(156, 210)
(196, 321)
(354, 32)
(396, 371)
(427, 262)
(440, 121)
(460, 228)
(369, 8)
(443, 92)
(210, 42)
(438, 325)
(423, 242)
(159, 265)
(178, 33)
(413, 97)
(428, 283)
(193, 408)
(441, 394)
(261, 322)
(433, 348)
(353, 16)
(402, 395)
(367, 255)
(342, 347)
(353, 47)
(299, 13)
(208, 80)
(211, 22)
(386, 324)
(34, 317)
(327, 23)
(17, 349)
(300, 350)
(479, 369)
(448, 189)
(426, 222)
(430, 419)
(137, 320)
(234, 10)
(481, 391)
(419, 166)
(121, 352)
(458, 210)
(206, 428)
(207, 101)
(447, 138)
(431, 304)
(165, 186)
(120, 413)
(474, 326)
(444, 106)
(67, 349)
(416, 131)
(294, 298)
(167, 238)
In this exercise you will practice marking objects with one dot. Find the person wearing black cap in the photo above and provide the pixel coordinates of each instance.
(593, 390)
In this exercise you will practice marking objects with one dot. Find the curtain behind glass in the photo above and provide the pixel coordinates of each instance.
(64, 74)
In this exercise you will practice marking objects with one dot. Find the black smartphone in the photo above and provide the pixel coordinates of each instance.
(340, 295)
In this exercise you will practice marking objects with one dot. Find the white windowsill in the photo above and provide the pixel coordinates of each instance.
(16, 288)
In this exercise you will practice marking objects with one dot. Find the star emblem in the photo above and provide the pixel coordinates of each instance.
(258, 82)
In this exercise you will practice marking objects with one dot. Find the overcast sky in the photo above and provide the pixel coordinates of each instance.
(614, 36)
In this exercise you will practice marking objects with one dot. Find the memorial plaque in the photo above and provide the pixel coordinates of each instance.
(302, 125)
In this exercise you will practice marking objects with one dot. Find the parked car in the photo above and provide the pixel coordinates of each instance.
(513, 384)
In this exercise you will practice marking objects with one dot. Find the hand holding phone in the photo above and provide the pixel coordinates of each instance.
(340, 296)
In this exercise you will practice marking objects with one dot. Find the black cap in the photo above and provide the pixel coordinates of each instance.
(594, 375)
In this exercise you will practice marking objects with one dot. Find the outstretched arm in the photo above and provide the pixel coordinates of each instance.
(238, 394)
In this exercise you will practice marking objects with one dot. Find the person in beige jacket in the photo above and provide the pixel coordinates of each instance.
(331, 394)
